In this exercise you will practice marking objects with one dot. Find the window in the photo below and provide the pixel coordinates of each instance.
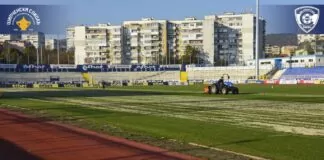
(239, 18)
(310, 60)
(302, 60)
(292, 61)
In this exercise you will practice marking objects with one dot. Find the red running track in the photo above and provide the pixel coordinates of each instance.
(26, 138)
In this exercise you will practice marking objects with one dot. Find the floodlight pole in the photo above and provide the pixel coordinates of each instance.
(257, 42)
(58, 51)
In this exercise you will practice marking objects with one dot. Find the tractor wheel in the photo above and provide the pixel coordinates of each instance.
(224, 91)
(209, 90)
(213, 89)
(235, 91)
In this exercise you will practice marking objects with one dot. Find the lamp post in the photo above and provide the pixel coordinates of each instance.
(58, 52)
(257, 42)
(169, 47)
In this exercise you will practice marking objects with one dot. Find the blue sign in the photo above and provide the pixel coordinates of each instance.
(32, 18)
(91, 68)
(32, 68)
(86, 68)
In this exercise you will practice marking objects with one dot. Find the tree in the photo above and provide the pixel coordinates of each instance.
(15, 56)
(191, 55)
(307, 46)
(29, 54)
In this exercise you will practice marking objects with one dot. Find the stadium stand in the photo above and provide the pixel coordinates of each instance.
(134, 76)
(278, 74)
(237, 73)
(41, 76)
(304, 73)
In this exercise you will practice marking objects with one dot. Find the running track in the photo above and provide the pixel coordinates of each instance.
(26, 138)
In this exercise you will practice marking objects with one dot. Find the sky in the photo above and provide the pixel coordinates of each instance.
(116, 11)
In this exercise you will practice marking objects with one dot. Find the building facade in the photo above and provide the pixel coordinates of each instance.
(288, 50)
(51, 44)
(145, 41)
(226, 38)
(99, 44)
(309, 37)
(272, 50)
(37, 39)
(70, 33)
(9, 37)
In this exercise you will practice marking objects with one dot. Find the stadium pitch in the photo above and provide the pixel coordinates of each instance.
(264, 121)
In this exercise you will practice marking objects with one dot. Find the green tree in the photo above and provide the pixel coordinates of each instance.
(29, 54)
(15, 56)
(307, 46)
(192, 55)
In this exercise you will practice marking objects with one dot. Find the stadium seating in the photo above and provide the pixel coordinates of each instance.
(237, 73)
(278, 74)
(303, 73)
(133, 76)
(43, 76)
(214, 73)
(96, 76)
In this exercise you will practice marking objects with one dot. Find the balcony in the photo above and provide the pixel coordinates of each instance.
(96, 33)
(155, 44)
(134, 44)
(115, 45)
(155, 33)
(134, 33)
(156, 38)
(116, 39)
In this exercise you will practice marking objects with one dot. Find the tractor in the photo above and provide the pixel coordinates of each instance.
(222, 87)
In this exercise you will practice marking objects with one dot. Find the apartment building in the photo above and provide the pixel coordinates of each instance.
(145, 41)
(9, 37)
(288, 50)
(229, 37)
(35, 38)
(309, 37)
(190, 32)
(272, 50)
(236, 37)
(51, 44)
(70, 33)
(98, 44)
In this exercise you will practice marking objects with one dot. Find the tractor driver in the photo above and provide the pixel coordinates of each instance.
(221, 82)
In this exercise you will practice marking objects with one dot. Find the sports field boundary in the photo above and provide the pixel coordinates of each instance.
(101, 137)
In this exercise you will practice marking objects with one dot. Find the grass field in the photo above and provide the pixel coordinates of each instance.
(275, 122)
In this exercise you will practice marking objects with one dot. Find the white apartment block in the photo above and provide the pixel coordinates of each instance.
(51, 44)
(9, 37)
(70, 32)
(229, 37)
(309, 37)
(145, 41)
(235, 37)
(99, 44)
(35, 38)
(186, 32)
